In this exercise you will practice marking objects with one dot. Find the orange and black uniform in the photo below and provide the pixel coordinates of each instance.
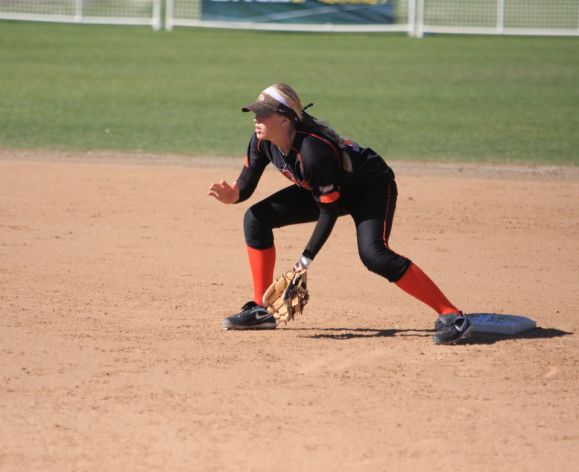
(328, 182)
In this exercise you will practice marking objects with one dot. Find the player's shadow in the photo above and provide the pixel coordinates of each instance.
(491, 338)
(535, 333)
(355, 333)
(475, 338)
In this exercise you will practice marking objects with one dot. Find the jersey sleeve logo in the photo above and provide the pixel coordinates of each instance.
(326, 188)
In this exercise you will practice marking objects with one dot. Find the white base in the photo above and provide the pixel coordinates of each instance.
(500, 324)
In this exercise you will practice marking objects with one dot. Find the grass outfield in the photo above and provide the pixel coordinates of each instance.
(505, 99)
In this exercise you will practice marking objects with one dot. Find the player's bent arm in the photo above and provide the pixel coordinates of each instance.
(224, 192)
(328, 215)
(247, 181)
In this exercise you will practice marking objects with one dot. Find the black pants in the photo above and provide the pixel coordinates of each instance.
(371, 206)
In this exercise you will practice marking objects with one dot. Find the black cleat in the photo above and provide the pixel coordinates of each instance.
(445, 320)
(251, 316)
(452, 328)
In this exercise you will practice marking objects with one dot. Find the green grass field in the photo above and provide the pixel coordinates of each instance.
(75, 87)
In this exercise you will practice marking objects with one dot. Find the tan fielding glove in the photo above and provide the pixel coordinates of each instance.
(287, 295)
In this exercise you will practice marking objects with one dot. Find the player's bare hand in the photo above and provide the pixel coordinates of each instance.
(224, 192)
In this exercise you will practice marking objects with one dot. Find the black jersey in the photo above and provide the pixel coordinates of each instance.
(319, 165)
(315, 163)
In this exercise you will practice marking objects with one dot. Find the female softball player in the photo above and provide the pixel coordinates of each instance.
(332, 176)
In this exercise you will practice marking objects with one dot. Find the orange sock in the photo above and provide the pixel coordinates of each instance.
(262, 263)
(420, 286)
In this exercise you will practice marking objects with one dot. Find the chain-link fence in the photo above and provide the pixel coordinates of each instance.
(130, 12)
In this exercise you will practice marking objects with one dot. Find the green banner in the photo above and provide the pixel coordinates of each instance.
(364, 12)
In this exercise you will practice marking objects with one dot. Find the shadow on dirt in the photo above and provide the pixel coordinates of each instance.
(475, 338)
(354, 333)
(535, 333)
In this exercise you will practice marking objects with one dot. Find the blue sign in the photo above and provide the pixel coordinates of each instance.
(300, 11)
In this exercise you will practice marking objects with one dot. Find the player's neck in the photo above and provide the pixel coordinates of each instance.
(285, 141)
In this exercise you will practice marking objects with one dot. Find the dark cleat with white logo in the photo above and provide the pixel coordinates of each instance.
(251, 316)
(452, 328)
(445, 320)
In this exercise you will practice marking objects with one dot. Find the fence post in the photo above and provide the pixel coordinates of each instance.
(411, 18)
(79, 6)
(157, 21)
(500, 16)
(169, 10)
(419, 30)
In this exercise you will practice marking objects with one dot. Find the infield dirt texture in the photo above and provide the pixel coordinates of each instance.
(116, 271)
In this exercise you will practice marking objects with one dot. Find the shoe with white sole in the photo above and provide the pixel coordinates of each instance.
(251, 316)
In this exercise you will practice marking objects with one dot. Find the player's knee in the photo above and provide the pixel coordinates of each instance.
(372, 260)
(384, 262)
(258, 233)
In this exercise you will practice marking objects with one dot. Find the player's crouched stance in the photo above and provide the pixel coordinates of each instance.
(332, 176)
(449, 328)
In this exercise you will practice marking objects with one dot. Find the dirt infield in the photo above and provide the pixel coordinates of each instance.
(116, 271)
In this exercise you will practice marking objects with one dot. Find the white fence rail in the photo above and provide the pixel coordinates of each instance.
(524, 17)
(415, 17)
(123, 12)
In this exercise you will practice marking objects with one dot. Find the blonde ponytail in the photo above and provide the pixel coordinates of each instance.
(287, 95)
